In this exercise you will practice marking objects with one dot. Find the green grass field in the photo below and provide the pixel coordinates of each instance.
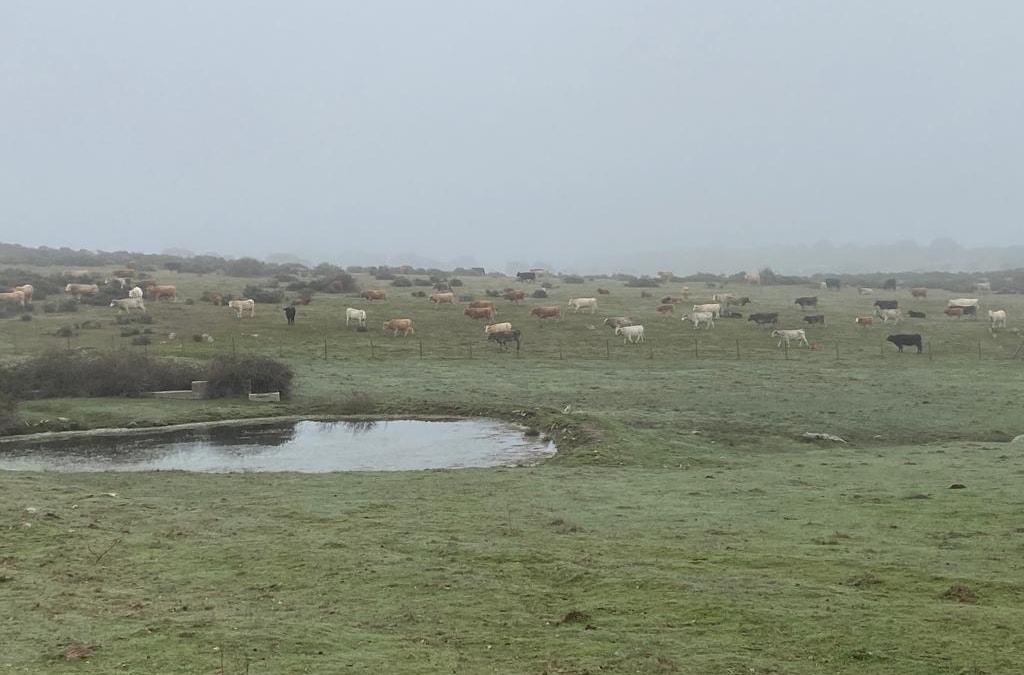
(682, 528)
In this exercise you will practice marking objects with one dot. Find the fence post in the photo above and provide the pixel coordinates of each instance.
(325, 349)
(421, 349)
(233, 346)
(608, 349)
(560, 355)
(929, 350)
(471, 350)
(737, 350)
(650, 351)
(881, 349)
(69, 344)
(372, 354)
(979, 349)
(786, 349)
(837, 350)
(696, 349)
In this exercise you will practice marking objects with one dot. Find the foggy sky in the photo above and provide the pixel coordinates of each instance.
(575, 131)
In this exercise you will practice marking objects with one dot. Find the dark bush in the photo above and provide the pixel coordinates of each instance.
(126, 319)
(491, 293)
(64, 331)
(421, 282)
(8, 414)
(547, 285)
(540, 293)
(91, 324)
(190, 301)
(285, 278)
(128, 332)
(233, 375)
(263, 296)
(572, 279)
(62, 305)
(419, 294)
(384, 276)
(141, 340)
(197, 337)
(401, 282)
(455, 282)
(120, 373)
(26, 317)
(643, 282)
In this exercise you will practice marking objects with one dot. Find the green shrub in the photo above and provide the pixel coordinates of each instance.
(26, 317)
(421, 282)
(233, 375)
(8, 414)
(128, 332)
(62, 374)
(572, 279)
(64, 331)
(401, 282)
(141, 340)
(127, 319)
(263, 296)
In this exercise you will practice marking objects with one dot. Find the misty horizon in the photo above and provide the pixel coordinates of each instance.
(575, 134)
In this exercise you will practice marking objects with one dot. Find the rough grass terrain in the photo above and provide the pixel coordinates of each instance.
(682, 528)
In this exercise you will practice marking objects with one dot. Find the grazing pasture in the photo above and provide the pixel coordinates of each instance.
(682, 527)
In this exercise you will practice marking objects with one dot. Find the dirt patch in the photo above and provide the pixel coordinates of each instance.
(863, 580)
(960, 593)
(75, 652)
(562, 526)
(573, 616)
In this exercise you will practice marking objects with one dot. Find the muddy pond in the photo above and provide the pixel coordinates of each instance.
(307, 446)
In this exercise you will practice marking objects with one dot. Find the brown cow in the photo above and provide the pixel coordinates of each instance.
(395, 325)
(78, 290)
(645, 294)
(515, 296)
(667, 309)
(954, 311)
(864, 321)
(480, 313)
(477, 304)
(442, 299)
(603, 291)
(156, 292)
(374, 295)
(547, 312)
(919, 292)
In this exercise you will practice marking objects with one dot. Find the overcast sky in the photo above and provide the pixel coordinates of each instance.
(533, 130)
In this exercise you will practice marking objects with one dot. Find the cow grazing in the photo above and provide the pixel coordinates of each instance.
(864, 321)
(816, 319)
(889, 285)
(902, 340)
(479, 304)
(442, 299)
(916, 315)
(713, 307)
(578, 303)
(78, 290)
(698, 318)
(528, 277)
(504, 337)
(395, 325)
(514, 296)
(480, 313)
(764, 318)
(137, 293)
(667, 309)
(28, 290)
(887, 315)
(357, 315)
(497, 327)
(919, 292)
(547, 312)
(128, 304)
(603, 291)
(786, 335)
(618, 321)
(630, 334)
(865, 291)
(289, 314)
(157, 292)
(997, 318)
(242, 306)
(374, 294)
(805, 302)
(13, 296)
(832, 283)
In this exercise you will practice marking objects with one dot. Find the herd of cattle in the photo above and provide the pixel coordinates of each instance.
(701, 315)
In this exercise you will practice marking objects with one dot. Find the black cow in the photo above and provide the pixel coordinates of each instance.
(889, 285)
(887, 304)
(764, 318)
(916, 315)
(742, 301)
(526, 276)
(902, 340)
(806, 302)
(815, 319)
(503, 337)
(289, 313)
(832, 283)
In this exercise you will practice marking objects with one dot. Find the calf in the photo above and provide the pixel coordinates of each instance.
(357, 315)
(902, 340)
(578, 303)
(503, 337)
(514, 296)
(815, 319)
(404, 325)
(895, 315)
(497, 327)
(864, 321)
(764, 318)
(630, 333)
(289, 314)
(865, 291)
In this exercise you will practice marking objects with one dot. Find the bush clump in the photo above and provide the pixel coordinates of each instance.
(62, 374)
(26, 317)
(263, 296)
(64, 305)
(233, 375)
(127, 319)
(572, 279)
(401, 282)
(540, 293)
(8, 414)
(142, 340)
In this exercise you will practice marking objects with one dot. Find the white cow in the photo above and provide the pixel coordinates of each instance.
(962, 302)
(579, 303)
(135, 293)
(504, 327)
(890, 314)
(997, 318)
(723, 298)
(787, 335)
(713, 307)
(241, 306)
(359, 315)
(698, 318)
(13, 296)
(630, 333)
(865, 291)
(128, 304)
(28, 290)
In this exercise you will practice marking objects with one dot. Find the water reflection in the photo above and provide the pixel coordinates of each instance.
(306, 446)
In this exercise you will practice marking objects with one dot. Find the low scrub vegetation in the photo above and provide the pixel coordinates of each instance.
(232, 375)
